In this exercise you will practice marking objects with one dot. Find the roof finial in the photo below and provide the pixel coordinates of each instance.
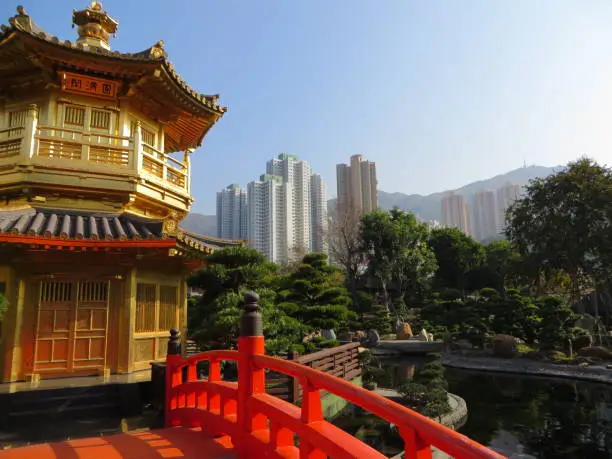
(21, 11)
(95, 26)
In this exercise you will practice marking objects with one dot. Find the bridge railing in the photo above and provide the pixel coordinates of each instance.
(261, 425)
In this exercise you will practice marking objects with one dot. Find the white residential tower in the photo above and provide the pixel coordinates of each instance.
(232, 219)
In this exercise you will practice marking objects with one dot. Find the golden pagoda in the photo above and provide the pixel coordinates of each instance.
(95, 152)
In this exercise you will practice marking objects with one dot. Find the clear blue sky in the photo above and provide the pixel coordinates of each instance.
(438, 92)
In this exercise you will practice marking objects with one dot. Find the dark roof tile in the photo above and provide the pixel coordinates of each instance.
(78, 225)
(68, 224)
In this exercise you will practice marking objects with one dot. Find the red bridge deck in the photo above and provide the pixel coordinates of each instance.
(178, 442)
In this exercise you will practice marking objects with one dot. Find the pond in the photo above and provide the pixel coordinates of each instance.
(520, 417)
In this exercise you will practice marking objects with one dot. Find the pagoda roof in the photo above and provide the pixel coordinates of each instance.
(25, 46)
(38, 226)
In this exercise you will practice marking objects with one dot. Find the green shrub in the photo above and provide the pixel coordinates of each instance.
(298, 348)
(524, 349)
(427, 393)
(326, 344)
(426, 400)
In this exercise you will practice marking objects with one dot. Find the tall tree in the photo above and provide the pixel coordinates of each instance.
(499, 269)
(400, 261)
(564, 223)
(344, 238)
(457, 255)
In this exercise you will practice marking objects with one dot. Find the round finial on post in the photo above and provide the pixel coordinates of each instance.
(174, 342)
(251, 323)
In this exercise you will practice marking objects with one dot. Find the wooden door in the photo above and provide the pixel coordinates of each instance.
(91, 325)
(72, 327)
(54, 327)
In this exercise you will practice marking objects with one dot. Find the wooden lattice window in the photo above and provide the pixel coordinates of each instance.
(56, 292)
(168, 307)
(93, 292)
(74, 116)
(157, 307)
(145, 307)
(17, 118)
(100, 119)
(148, 137)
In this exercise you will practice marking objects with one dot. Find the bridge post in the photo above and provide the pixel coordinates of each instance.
(251, 380)
(174, 375)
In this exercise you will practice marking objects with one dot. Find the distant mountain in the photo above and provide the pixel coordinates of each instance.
(429, 207)
(201, 224)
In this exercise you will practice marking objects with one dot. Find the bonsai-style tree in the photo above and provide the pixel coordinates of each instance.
(214, 318)
(315, 294)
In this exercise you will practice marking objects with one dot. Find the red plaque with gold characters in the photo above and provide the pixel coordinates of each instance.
(86, 85)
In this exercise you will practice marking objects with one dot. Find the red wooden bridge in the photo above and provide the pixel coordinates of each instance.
(212, 419)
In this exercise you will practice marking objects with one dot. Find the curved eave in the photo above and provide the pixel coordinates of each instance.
(206, 244)
(207, 103)
(220, 242)
(111, 62)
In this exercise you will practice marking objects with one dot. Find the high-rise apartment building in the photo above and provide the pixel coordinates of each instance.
(318, 214)
(232, 218)
(485, 215)
(455, 213)
(287, 210)
(296, 172)
(270, 217)
(506, 195)
(357, 186)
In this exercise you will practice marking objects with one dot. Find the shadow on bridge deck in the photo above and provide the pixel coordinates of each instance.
(156, 444)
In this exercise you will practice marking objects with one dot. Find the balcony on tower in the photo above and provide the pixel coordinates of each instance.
(81, 121)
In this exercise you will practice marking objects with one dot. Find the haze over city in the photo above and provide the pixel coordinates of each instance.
(439, 94)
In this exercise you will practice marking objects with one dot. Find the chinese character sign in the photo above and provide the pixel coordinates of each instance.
(83, 84)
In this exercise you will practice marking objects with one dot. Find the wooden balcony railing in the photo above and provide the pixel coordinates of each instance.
(10, 142)
(73, 144)
(64, 145)
(261, 425)
(164, 166)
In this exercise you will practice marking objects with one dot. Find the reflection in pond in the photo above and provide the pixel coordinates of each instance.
(539, 417)
(521, 417)
(388, 373)
(372, 430)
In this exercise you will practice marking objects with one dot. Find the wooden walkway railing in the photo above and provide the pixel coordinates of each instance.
(261, 425)
(340, 361)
